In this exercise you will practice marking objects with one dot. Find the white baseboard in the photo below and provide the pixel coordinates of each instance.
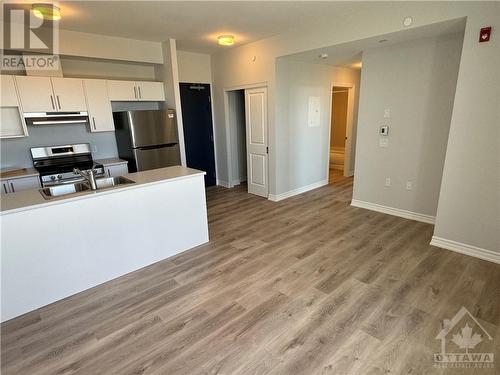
(291, 193)
(238, 181)
(394, 211)
(463, 248)
(222, 183)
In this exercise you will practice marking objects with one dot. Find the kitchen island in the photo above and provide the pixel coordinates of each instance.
(51, 249)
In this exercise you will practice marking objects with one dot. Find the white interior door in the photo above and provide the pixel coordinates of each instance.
(257, 151)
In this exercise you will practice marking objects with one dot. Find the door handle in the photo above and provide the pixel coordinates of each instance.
(58, 102)
(93, 122)
(139, 91)
(52, 101)
(5, 188)
(12, 187)
(135, 92)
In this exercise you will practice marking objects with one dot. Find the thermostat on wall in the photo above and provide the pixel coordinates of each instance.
(384, 130)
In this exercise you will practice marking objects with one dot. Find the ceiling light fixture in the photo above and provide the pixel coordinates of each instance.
(225, 40)
(323, 56)
(407, 21)
(46, 11)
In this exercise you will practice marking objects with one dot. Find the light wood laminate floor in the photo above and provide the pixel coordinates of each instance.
(308, 285)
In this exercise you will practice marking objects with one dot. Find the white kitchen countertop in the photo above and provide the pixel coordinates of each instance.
(110, 161)
(33, 199)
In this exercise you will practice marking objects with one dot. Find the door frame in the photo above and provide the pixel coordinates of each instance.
(349, 125)
(229, 183)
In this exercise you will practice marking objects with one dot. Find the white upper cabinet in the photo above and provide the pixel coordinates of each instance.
(11, 121)
(99, 106)
(36, 94)
(69, 95)
(152, 91)
(8, 97)
(45, 94)
(136, 91)
(122, 90)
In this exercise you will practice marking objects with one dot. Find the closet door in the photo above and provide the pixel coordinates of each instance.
(257, 146)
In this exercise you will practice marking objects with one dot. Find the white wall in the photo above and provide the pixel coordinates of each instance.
(74, 43)
(194, 67)
(99, 68)
(416, 81)
(304, 150)
(478, 65)
(168, 72)
(469, 202)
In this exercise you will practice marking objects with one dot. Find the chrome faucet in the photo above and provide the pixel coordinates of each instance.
(88, 175)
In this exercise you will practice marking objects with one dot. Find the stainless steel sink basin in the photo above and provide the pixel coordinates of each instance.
(60, 190)
(102, 183)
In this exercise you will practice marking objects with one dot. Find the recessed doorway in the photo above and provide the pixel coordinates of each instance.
(341, 119)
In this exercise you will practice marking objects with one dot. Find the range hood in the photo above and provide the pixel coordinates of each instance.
(56, 118)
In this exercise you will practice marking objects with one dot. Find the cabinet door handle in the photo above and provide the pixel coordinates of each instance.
(109, 173)
(93, 122)
(58, 102)
(139, 90)
(52, 101)
(5, 188)
(12, 187)
(135, 92)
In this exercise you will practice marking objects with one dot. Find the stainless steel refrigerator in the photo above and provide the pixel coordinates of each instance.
(147, 139)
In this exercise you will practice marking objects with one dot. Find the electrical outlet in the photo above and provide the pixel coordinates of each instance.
(94, 148)
(409, 185)
(383, 141)
(387, 113)
(387, 181)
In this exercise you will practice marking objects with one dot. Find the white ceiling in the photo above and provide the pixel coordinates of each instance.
(194, 24)
(350, 54)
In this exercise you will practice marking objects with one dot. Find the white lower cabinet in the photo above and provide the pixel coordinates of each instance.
(116, 170)
(15, 185)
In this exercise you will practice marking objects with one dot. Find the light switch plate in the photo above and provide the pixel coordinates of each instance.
(383, 142)
(384, 130)
(387, 181)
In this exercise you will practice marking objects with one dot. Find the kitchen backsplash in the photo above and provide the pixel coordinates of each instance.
(15, 152)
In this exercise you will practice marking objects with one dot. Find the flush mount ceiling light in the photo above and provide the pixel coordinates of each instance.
(407, 21)
(46, 11)
(382, 40)
(225, 40)
(323, 56)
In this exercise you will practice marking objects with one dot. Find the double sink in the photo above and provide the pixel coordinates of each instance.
(68, 189)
